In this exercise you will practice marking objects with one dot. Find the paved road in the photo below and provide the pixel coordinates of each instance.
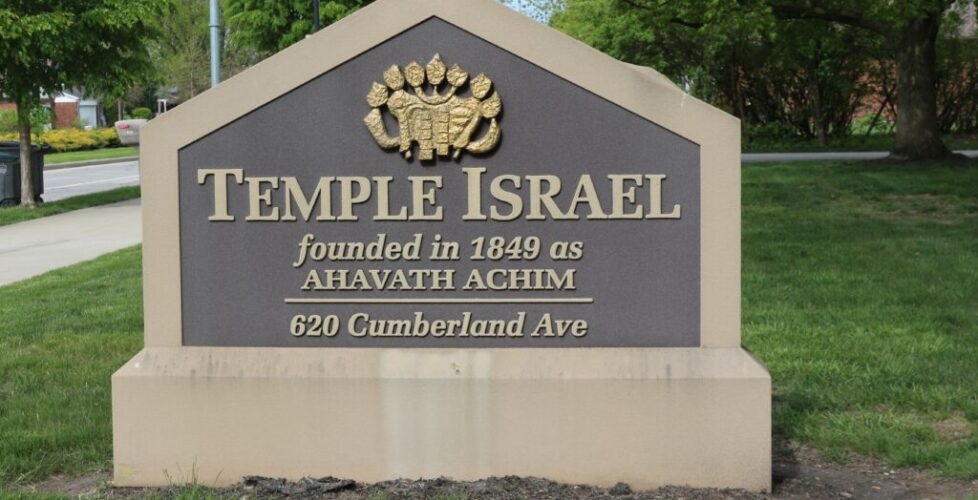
(851, 155)
(41, 245)
(67, 182)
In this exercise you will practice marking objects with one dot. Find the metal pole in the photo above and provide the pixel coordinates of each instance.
(315, 16)
(215, 26)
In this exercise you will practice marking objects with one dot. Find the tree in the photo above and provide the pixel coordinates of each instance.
(182, 54)
(272, 25)
(790, 78)
(909, 28)
(957, 72)
(47, 45)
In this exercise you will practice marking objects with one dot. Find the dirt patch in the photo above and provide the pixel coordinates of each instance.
(801, 474)
(91, 485)
(954, 428)
(798, 473)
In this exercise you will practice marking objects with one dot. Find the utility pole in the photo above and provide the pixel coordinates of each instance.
(315, 16)
(215, 26)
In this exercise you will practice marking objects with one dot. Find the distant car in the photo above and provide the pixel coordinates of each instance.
(128, 131)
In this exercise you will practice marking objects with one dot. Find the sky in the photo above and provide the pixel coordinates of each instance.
(526, 8)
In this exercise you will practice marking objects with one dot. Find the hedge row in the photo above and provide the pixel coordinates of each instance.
(71, 139)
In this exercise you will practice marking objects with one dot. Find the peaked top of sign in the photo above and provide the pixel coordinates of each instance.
(638, 89)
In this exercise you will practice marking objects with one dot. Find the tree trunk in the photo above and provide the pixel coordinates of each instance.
(26, 166)
(821, 123)
(918, 135)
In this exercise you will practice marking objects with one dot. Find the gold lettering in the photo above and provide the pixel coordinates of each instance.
(474, 211)
(259, 198)
(220, 189)
(533, 197)
(509, 198)
(521, 279)
(422, 197)
(619, 195)
(384, 201)
(540, 198)
(293, 192)
(586, 193)
(655, 200)
(348, 199)
(312, 281)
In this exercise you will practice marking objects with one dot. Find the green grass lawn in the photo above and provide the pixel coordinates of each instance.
(860, 294)
(62, 336)
(93, 154)
(18, 214)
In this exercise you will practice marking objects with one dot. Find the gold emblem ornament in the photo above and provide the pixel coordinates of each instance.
(440, 121)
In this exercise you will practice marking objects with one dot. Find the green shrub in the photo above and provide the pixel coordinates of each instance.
(71, 139)
(771, 131)
(883, 125)
(8, 121)
(41, 117)
(143, 113)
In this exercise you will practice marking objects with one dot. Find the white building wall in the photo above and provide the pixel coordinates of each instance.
(88, 112)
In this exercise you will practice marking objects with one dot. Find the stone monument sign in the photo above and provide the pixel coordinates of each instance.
(440, 239)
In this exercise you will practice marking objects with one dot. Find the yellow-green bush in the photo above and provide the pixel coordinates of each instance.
(72, 139)
(107, 137)
(69, 139)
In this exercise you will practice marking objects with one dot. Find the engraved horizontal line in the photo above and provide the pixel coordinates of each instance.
(572, 300)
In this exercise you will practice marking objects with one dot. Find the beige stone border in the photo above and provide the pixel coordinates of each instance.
(648, 417)
(640, 90)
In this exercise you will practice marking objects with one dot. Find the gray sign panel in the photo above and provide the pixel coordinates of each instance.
(591, 282)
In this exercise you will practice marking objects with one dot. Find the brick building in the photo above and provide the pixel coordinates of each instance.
(70, 107)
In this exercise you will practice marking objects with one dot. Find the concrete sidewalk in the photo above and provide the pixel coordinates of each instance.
(826, 156)
(37, 246)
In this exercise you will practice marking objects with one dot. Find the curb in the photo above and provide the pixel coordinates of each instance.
(87, 163)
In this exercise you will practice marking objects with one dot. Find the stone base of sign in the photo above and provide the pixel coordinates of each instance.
(648, 417)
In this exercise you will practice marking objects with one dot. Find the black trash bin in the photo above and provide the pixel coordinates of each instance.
(10, 172)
